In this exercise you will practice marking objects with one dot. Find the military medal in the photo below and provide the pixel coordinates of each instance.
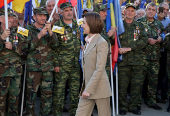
(74, 32)
(134, 35)
(65, 39)
(62, 38)
(16, 37)
(158, 31)
(68, 38)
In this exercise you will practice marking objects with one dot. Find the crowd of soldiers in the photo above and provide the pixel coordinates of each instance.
(52, 58)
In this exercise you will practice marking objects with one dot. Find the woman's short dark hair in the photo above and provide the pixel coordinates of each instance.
(94, 21)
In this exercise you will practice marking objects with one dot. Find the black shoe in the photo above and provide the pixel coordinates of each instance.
(91, 114)
(122, 112)
(168, 109)
(139, 108)
(65, 109)
(159, 100)
(155, 106)
(137, 112)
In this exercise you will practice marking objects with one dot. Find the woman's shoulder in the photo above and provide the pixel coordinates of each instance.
(101, 39)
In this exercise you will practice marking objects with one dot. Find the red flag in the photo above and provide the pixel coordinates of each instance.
(73, 2)
(2, 2)
(114, 51)
(62, 1)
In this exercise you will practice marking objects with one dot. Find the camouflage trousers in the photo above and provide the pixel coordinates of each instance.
(73, 77)
(168, 70)
(150, 71)
(11, 86)
(133, 75)
(45, 81)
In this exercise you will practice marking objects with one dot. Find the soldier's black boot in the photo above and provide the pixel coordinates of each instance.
(168, 109)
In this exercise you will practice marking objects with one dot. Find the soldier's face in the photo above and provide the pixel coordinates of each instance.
(140, 13)
(15, 23)
(40, 18)
(50, 6)
(67, 13)
(10, 20)
(130, 13)
(150, 11)
(85, 26)
(103, 14)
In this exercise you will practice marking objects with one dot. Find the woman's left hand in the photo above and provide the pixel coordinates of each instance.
(85, 94)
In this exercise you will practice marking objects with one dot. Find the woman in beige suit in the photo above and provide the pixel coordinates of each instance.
(96, 87)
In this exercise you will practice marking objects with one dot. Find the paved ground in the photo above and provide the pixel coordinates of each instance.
(145, 110)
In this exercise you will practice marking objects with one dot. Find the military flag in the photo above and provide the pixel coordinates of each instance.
(62, 1)
(143, 4)
(2, 2)
(104, 2)
(80, 13)
(28, 12)
(18, 5)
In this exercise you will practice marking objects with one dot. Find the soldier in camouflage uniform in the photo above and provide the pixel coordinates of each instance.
(102, 10)
(10, 65)
(67, 67)
(40, 65)
(153, 28)
(132, 41)
(167, 46)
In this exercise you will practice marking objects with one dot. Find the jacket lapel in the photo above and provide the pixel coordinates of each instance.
(92, 44)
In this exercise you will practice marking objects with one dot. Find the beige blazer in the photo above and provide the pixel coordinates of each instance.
(95, 78)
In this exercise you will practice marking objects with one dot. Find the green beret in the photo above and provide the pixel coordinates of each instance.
(40, 10)
(100, 7)
(65, 5)
(130, 5)
(10, 12)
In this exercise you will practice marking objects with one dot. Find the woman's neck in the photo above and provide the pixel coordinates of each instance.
(90, 35)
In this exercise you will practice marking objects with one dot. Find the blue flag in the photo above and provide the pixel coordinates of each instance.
(80, 13)
(28, 12)
(143, 4)
(104, 2)
(123, 4)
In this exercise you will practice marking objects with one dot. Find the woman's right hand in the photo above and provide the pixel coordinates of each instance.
(85, 94)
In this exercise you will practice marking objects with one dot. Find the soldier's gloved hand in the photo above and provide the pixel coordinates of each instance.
(85, 94)
(56, 69)
(48, 27)
(161, 16)
(8, 45)
(5, 34)
(42, 33)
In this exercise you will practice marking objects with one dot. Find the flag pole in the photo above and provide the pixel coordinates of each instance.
(117, 102)
(56, 3)
(75, 13)
(56, 7)
(111, 71)
(6, 18)
(23, 90)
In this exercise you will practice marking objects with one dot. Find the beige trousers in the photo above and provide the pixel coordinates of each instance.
(85, 107)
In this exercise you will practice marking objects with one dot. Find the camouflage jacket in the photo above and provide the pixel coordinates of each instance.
(10, 60)
(166, 44)
(135, 38)
(106, 36)
(153, 30)
(68, 51)
(109, 40)
(40, 55)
